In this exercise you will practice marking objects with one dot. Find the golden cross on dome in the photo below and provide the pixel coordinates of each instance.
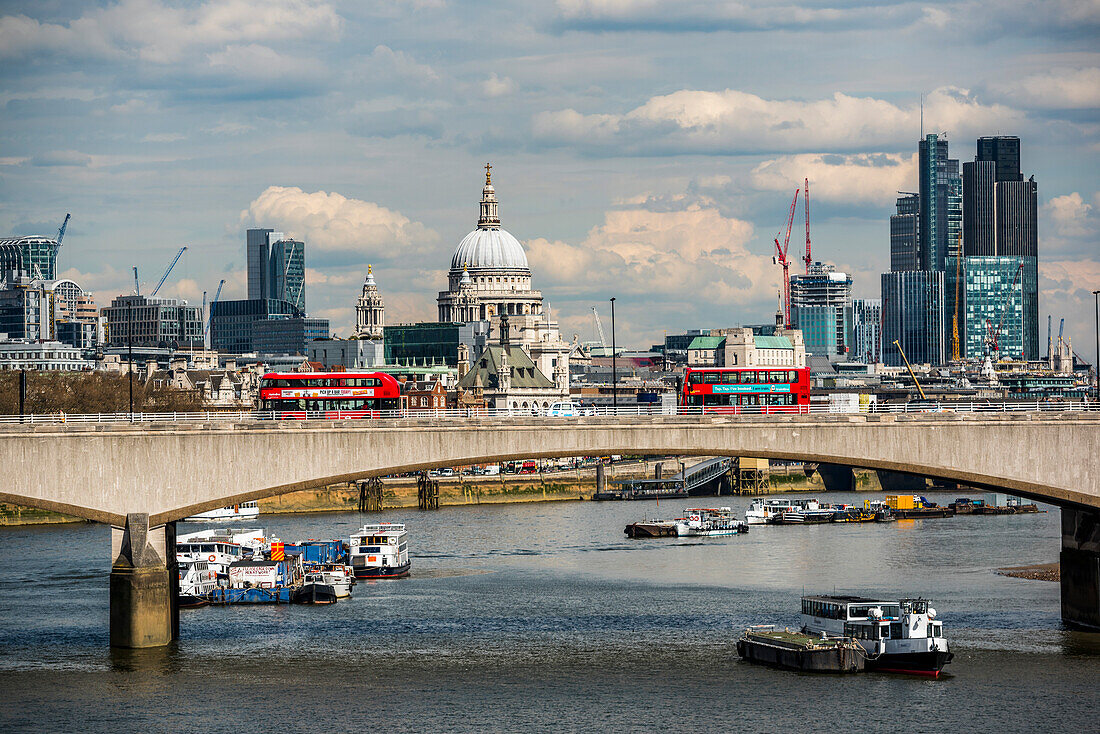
(488, 174)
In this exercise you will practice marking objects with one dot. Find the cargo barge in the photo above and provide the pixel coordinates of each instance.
(651, 529)
(765, 645)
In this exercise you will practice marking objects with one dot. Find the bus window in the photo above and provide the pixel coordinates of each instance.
(749, 377)
(730, 378)
(695, 378)
(711, 377)
(776, 377)
(792, 376)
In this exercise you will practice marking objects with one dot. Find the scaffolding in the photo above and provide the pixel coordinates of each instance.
(753, 476)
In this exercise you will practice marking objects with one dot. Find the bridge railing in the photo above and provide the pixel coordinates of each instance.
(475, 414)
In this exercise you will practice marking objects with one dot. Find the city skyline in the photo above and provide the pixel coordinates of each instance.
(636, 154)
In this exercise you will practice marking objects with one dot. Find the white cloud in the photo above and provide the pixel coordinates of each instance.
(158, 33)
(496, 86)
(863, 177)
(1069, 214)
(332, 222)
(385, 62)
(257, 62)
(705, 15)
(731, 121)
(1060, 89)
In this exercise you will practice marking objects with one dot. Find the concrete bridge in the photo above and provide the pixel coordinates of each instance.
(141, 478)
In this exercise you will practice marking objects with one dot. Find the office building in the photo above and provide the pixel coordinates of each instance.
(995, 303)
(353, 354)
(941, 213)
(276, 267)
(432, 343)
(913, 315)
(866, 337)
(153, 322)
(1000, 221)
(287, 335)
(33, 256)
(231, 321)
(905, 234)
(49, 356)
(821, 308)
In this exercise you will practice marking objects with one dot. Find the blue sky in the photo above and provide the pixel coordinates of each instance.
(643, 149)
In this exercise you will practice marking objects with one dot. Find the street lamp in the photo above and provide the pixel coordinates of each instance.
(614, 363)
(1096, 364)
(130, 353)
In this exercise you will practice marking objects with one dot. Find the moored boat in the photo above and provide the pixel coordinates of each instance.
(901, 636)
(380, 550)
(314, 590)
(241, 511)
(803, 512)
(196, 580)
(762, 510)
(652, 529)
(709, 521)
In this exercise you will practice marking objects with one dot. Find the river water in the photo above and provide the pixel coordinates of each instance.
(544, 616)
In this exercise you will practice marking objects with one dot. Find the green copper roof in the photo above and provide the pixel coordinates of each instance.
(706, 342)
(772, 342)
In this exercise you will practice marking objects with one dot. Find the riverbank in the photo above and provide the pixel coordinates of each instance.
(1037, 572)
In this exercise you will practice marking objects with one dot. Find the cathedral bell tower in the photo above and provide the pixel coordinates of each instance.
(370, 311)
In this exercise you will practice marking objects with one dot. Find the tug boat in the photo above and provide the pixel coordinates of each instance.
(380, 550)
(708, 522)
(896, 636)
(315, 589)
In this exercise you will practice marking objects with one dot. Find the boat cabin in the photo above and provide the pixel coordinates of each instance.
(380, 545)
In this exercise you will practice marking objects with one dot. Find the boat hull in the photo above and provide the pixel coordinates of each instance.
(383, 572)
(912, 663)
(314, 594)
(833, 660)
(650, 530)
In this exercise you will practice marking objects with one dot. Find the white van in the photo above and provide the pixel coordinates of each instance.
(569, 409)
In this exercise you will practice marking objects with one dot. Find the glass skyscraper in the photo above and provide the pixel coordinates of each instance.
(994, 305)
(940, 202)
(866, 338)
(904, 234)
(912, 314)
(821, 306)
(276, 267)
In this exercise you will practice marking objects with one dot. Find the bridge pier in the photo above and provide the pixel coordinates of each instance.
(837, 477)
(1080, 568)
(144, 595)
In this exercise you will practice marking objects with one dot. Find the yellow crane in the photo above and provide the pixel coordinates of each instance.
(955, 317)
(910, 368)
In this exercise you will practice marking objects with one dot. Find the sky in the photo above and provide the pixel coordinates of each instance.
(645, 150)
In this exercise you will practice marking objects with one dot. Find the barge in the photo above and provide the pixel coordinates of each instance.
(762, 644)
(651, 529)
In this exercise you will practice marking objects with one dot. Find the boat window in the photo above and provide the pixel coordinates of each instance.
(857, 612)
(891, 610)
(920, 607)
(208, 548)
(895, 630)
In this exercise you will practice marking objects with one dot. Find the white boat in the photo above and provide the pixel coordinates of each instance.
(243, 511)
(196, 580)
(219, 547)
(804, 511)
(761, 511)
(340, 577)
(709, 522)
(380, 550)
(897, 636)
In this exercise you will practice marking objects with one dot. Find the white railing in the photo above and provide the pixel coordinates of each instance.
(631, 411)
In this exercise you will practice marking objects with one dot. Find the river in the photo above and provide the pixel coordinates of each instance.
(544, 616)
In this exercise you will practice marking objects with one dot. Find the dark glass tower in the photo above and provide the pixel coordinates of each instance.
(940, 202)
(1004, 152)
(905, 234)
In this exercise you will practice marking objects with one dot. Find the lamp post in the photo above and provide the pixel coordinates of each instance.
(130, 353)
(1096, 364)
(614, 363)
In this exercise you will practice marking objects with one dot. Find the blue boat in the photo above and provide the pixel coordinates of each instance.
(253, 595)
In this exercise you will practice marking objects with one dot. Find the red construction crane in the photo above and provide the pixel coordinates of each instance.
(808, 259)
(782, 260)
(995, 335)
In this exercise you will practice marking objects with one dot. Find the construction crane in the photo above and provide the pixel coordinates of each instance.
(599, 327)
(61, 232)
(1049, 317)
(808, 258)
(137, 287)
(782, 260)
(164, 277)
(955, 316)
(910, 368)
(995, 335)
(217, 295)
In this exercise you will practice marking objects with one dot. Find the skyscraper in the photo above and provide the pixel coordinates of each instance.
(866, 338)
(940, 202)
(905, 234)
(912, 314)
(821, 307)
(276, 267)
(1000, 246)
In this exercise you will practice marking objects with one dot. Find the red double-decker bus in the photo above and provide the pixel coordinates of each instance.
(747, 389)
(331, 394)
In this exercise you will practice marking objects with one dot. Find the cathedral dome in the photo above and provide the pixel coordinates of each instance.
(489, 247)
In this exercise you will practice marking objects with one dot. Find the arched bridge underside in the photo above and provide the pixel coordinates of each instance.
(168, 471)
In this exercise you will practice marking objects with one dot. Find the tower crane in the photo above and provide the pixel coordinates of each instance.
(808, 258)
(955, 316)
(61, 232)
(599, 327)
(217, 295)
(171, 265)
(781, 259)
(137, 287)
